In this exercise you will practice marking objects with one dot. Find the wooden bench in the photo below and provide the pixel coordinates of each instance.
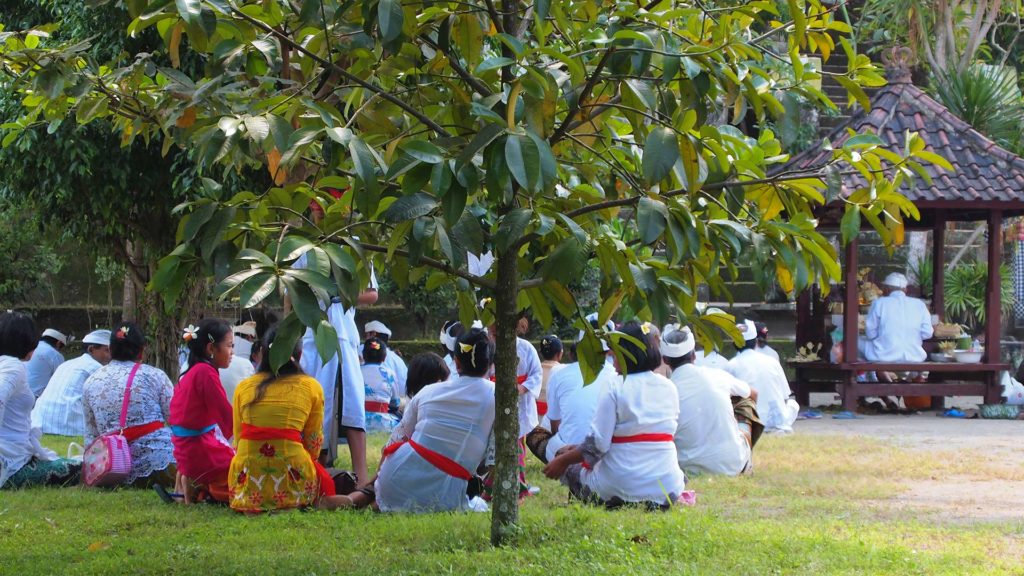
(945, 379)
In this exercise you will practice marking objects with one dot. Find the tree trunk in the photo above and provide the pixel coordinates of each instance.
(505, 502)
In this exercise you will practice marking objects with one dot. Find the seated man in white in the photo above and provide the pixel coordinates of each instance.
(571, 404)
(45, 360)
(59, 409)
(718, 424)
(241, 366)
(896, 324)
(377, 329)
(765, 375)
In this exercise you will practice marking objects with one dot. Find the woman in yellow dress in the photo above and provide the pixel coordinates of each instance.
(278, 422)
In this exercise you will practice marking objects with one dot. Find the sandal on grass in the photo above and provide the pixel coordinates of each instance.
(167, 497)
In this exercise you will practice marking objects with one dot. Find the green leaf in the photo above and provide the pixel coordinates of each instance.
(651, 219)
(661, 151)
(523, 158)
(288, 333)
(511, 228)
(326, 338)
(341, 258)
(493, 63)
(485, 136)
(850, 224)
(232, 282)
(423, 151)
(189, 10)
(200, 216)
(304, 302)
(390, 19)
(293, 246)
(314, 279)
(862, 141)
(454, 203)
(410, 207)
(366, 169)
(256, 289)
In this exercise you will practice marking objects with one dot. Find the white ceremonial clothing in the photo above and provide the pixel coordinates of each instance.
(708, 438)
(449, 361)
(643, 403)
(769, 352)
(401, 371)
(239, 369)
(41, 366)
(530, 367)
(711, 359)
(353, 410)
(19, 443)
(451, 418)
(895, 327)
(59, 409)
(774, 406)
(573, 404)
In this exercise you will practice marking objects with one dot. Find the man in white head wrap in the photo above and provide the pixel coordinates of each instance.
(896, 324)
(59, 409)
(45, 360)
(571, 404)
(378, 329)
(718, 423)
(241, 363)
(765, 375)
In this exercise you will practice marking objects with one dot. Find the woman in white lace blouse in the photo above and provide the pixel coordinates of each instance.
(149, 405)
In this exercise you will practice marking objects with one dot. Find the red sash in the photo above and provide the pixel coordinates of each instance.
(542, 408)
(642, 438)
(257, 433)
(520, 379)
(133, 433)
(638, 438)
(378, 407)
(436, 459)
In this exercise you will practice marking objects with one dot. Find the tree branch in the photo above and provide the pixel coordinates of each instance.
(345, 73)
(436, 264)
(475, 83)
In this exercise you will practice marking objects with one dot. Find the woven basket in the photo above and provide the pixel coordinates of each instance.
(1000, 411)
(947, 332)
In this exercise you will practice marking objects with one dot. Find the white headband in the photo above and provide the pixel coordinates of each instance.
(682, 348)
(55, 335)
(609, 326)
(748, 330)
(447, 340)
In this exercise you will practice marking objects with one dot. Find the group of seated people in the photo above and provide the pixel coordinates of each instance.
(631, 436)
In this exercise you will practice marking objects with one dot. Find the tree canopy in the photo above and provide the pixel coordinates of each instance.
(546, 134)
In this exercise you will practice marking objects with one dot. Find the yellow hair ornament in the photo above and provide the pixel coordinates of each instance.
(465, 347)
(645, 328)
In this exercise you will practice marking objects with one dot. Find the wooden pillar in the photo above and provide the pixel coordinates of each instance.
(993, 319)
(939, 265)
(851, 309)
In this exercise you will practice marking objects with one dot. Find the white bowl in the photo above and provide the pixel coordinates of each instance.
(967, 357)
(940, 357)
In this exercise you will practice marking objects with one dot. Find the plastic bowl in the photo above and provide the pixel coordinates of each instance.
(967, 357)
(940, 357)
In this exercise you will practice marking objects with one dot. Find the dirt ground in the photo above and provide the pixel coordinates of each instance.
(987, 490)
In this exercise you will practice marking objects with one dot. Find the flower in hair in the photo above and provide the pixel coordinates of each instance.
(190, 333)
(645, 328)
(122, 332)
(375, 345)
(465, 347)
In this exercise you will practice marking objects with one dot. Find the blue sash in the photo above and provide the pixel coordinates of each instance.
(182, 432)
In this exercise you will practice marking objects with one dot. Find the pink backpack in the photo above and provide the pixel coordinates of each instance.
(108, 460)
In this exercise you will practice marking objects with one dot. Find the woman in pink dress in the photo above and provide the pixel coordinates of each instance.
(200, 416)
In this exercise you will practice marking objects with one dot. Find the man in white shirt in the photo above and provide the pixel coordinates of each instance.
(896, 324)
(571, 405)
(718, 424)
(241, 366)
(377, 329)
(59, 409)
(765, 375)
(711, 358)
(45, 360)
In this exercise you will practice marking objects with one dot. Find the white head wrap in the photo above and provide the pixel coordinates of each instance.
(680, 349)
(246, 329)
(748, 330)
(447, 340)
(97, 338)
(378, 327)
(896, 280)
(58, 336)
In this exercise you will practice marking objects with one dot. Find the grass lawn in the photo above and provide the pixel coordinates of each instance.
(815, 505)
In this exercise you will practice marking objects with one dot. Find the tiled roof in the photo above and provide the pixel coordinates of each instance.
(984, 172)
